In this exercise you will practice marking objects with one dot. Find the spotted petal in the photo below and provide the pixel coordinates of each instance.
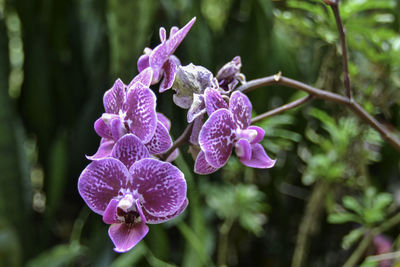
(201, 166)
(164, 120)
(161, 140)
(157, 59)
(259, 159)
(174, 41)
(100, 181)
(154, 220)
(126, 236)
(169, 75)
(140, 110)
(129, 149)
(161, 186)
(240, 106)
(143, 62)
(145, 76)
(213, 100)
(217, 137)
(114, 97)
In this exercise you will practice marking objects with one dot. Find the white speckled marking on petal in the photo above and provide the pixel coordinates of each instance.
(217, 137)
(240, 106)
(161, 140)
(129, 149)
(114, 97)
(161, 186)
(100, 181)
(140, 110)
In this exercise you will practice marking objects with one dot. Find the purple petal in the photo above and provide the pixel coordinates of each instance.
(201, 166)
(243, 149)
(173, 30)
(114, 97)
(129, 149)
(110, 214)
(217, 137)
(126, 236)
(240, 106)
(260, 134)
(100, 181)
(106, 145)
(140, 110)
(173, 155)
(169, 75)
(161, 140)
(117, 129)
(213, 100)
(157, 59)
(163, 35)
(259, 159)
(102, 129)
(160, 185)
(174, 41)
(197, 125)
(154, 220)
(143, 62)
(164, 120)
(145, 76)
(175, 60)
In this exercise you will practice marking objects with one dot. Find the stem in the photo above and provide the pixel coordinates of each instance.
(359, 252)
(318, 93)
(310, 223)
(281, 109)
(343, 43)
(223, 242)
(182, 139)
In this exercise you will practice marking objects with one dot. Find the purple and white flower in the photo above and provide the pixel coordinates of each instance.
(129, 190)
(229, 128)
(161, 59)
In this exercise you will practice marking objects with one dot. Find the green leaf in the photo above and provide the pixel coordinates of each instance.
(60, 255)
(130, 258)
(351, 203)
(344, 217)
(352, 237)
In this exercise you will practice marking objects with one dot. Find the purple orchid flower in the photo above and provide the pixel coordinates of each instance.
(131, 109)
(129, 190)
(161, 59)
(229, 128)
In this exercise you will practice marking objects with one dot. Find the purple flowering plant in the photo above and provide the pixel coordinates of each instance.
(131, 181)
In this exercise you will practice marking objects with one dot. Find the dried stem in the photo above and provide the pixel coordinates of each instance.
(318, 93)
(281, 109)
(343, 43)
(182, 139)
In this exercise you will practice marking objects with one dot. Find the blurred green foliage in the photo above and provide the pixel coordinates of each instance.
(57, 58)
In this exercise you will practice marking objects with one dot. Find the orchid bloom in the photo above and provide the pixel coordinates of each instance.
(229, 128)
(131, 109)
(161, 59)
(129, 190)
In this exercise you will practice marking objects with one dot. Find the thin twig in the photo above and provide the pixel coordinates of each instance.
(318, 93)
(343, 43)
(182, 139)
(281, 109)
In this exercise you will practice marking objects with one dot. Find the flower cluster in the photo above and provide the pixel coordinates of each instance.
(127, 182)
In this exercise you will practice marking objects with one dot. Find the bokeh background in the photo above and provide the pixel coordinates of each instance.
(335, 178)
